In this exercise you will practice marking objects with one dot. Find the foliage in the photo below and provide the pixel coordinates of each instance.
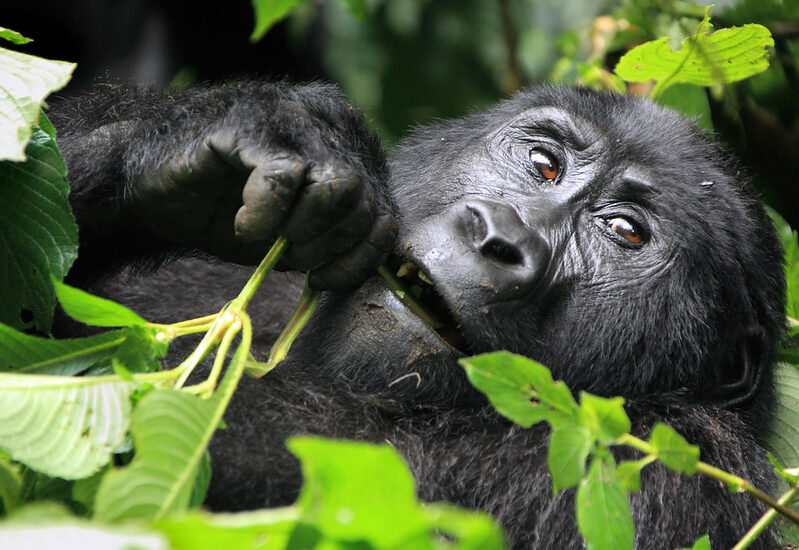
(129, 450)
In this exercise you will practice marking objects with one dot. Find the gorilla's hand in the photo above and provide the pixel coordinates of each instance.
(227, 170)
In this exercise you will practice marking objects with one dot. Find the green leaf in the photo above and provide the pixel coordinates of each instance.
(790, 247)
(13, 36)
(629, 474)
(201, 482)
(93, 310)
(702, 543)
(25, 81)
(605, 418)
(260, 530)
(171, 430)
(568, 449)
(40, 238)
(783, 432)
(603, 509)
(269, 12)
(356, 8)
(141, 349)
(20, 352)
(673, 450)
(520, 388)
(10, 485)
(357, 491)
(691, 101)
(471, 530)
(61, 426)
(84, 491)
(725, 56)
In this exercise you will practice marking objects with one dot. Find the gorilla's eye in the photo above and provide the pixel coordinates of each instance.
(545, 164)
(626, 229)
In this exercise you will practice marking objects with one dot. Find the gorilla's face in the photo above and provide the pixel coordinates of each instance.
(600, 235)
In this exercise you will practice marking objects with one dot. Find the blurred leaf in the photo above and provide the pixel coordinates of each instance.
(269, 12)
(259, 530)
(40, 238)
(67, 533)
(782, 435)
(725, 56)
(93, 310)
(603, 509)
(790, 247)
(13, 36)
(201, 482)
(629, 474)
(141, 349)
(673, 450)
(520, 388)
(61, 426)
(691, 101)
(25, 81)
(84, 491)
(702, 543)
(357, 491)
(568, 449)
(472, 530)
(605, 418)
(357, 8)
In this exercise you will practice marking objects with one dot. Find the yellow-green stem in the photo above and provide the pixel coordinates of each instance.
(221, 354)
(765, 520)
(209, 341)
(733, 482)
(299, 318)
(263, 269)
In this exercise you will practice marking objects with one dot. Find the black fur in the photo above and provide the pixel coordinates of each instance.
(684, 325)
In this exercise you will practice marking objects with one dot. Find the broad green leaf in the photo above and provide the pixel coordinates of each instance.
(171, 430)
(141, 349)
(40, 238)
(605, 418)
(568, 449)
(790, 247)
(61, 426)
(13, 36)
(673, 450)
(84, 491)
(10, 485)
(269, 12)
(782, 435)
(20, 352)
(603, 509)
(25, 81)
(520, 388)
(691, 101)
(788, 475)
(357, 491)
(725, 56)
(471, 530)
(93, 310)
(260, 530)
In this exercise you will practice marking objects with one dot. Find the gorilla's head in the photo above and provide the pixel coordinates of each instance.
(602, 235)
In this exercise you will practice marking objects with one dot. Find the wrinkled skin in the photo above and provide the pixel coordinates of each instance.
(600, 235)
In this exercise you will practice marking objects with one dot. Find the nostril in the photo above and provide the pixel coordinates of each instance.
(501, 252)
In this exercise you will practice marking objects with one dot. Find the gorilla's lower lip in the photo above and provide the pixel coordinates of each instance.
(416, 290)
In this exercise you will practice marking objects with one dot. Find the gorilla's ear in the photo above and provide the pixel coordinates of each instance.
(739, 380)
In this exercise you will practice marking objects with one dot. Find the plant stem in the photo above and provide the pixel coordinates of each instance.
(299, 319)
(766, 520)
(733, 482)
(399, 291)
(263, 269)
(209, 341)
(221, 354)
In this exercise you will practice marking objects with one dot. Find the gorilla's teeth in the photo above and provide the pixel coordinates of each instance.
(406, 269)
(423, 276)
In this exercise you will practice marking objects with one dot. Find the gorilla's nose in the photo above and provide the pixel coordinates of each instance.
(514, 256)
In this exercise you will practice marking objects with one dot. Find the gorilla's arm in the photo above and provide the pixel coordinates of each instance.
(226, 170)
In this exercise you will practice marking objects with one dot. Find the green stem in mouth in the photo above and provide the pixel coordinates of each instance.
(396, 286)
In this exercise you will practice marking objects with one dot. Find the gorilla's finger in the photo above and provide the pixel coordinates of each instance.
(324, 202)
(355, 266)
(268, 196)
(321, 249)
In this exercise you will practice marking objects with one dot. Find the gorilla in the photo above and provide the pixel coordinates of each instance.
(601, 235)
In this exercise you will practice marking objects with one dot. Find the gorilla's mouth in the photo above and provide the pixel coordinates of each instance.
(417, 291)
